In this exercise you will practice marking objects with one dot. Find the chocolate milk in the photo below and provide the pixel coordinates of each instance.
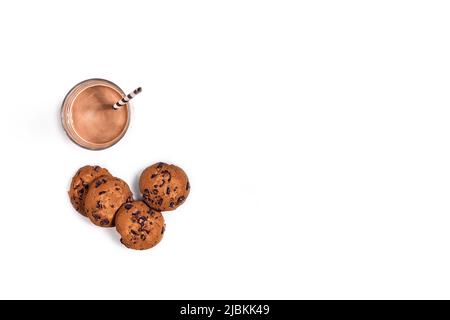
(89, 118)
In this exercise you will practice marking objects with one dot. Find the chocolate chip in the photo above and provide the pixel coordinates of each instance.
(143, 237)
(146, 191)
(136, 213)
(117, 189)
(171, 204)
(142, 220)
(128, 206)
(155, 186)
(163, 182)
(188, 186)
(166, 173)
(99, 205)
(96, 168)
(160, 165)
(153, 176)
(180, 200)
(155, 191)
(98, 183)
(168, 190)
(160, 201)
(101, 192)
(163, 229)
(96, 216)
(86, 186)
(81, 191)
(133, 232)
(104, 222)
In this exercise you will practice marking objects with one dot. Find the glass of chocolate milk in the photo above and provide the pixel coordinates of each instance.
(88, 116)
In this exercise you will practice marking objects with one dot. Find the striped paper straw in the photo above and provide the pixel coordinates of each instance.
(127, 98)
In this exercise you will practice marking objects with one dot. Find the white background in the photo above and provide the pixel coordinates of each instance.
(315, 135)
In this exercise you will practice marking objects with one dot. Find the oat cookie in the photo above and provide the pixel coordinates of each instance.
(80, 184)
(139, 226)
(104, 197)
(164, 187)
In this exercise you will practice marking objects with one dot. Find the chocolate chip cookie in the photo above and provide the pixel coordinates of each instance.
(80, 185)
(164, 187)
(104, 197)
(139, 226)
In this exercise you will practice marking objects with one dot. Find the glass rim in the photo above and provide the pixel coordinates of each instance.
(64, 117)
